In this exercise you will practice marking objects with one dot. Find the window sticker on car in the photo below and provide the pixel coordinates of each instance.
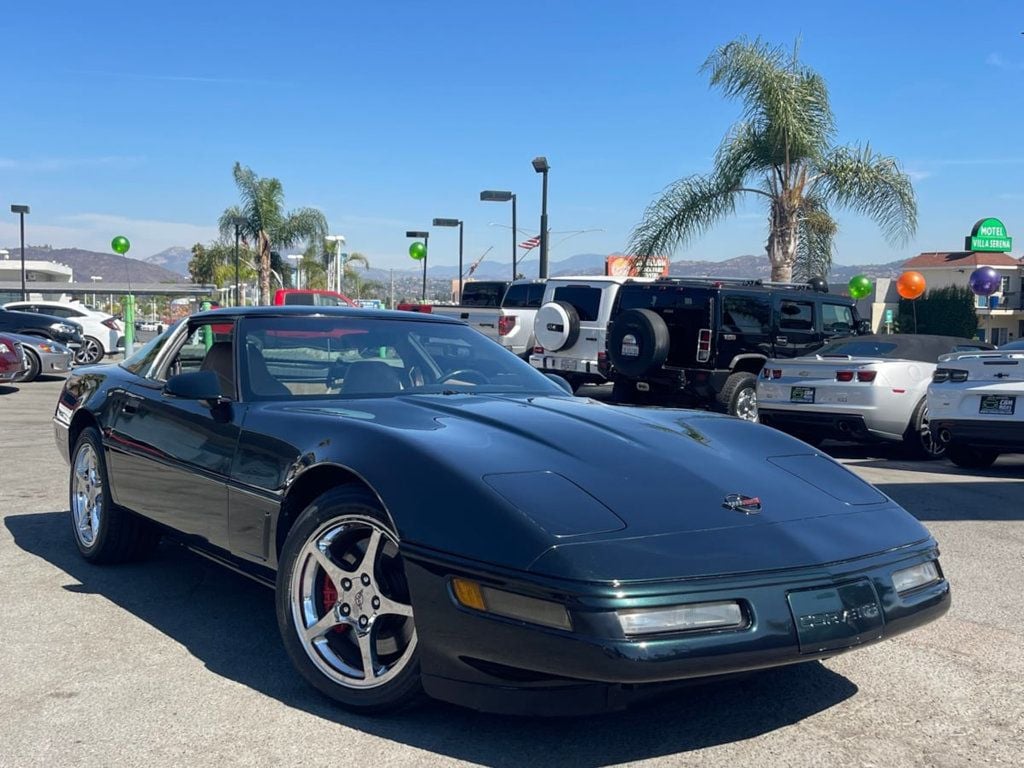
(630, 348)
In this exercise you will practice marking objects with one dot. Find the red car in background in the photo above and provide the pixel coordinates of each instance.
(12, 359)
(312, 297)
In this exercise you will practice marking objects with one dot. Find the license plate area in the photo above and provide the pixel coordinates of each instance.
(997, 405)
(828, 618)
(801, 395)
(566, 365)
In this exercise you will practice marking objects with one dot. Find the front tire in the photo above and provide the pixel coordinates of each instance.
(34, 367)
(90, 352)
(971, 458)
(104, 532)
(343, 604)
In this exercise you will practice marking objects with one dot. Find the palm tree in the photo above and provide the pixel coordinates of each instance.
(267, 224)
(780, 152)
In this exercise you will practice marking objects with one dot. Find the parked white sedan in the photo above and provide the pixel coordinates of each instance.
(862, 389)
(976, 403)
(102, 333)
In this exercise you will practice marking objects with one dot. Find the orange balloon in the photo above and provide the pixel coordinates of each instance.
(910, 285)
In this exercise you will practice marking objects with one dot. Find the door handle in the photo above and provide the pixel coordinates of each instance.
(781, 339)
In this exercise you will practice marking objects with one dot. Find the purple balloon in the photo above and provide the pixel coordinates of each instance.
(984, 281)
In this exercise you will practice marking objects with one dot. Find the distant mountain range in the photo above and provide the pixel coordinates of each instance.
(171, 266)
(108, 266)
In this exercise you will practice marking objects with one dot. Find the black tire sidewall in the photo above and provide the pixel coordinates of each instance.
(35, 367)
(912, 442)
(735, 384)
(406, 687)
(650, 334)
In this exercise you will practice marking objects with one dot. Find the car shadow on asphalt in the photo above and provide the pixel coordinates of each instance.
(7, 389)
(229, 623)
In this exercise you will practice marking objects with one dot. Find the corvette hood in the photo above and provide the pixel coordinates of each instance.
(663, 480)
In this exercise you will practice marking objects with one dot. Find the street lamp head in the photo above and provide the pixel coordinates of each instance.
(19, 209)
(540, 165)
(417, 234)
(335, 239)
(495, 196)
(446, 222)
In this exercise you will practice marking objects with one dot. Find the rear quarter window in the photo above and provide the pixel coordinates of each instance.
(796, 316)
(524, 296)
(746, 314)
(585, 299)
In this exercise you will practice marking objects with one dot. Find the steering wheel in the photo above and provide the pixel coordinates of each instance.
(467, 375)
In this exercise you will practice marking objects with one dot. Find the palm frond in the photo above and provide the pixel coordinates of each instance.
(684, 211)
(786, 101)
(857, 178)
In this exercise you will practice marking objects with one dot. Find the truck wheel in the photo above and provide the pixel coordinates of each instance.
(739, 396)
(556, 326)
(638, 341)
(971, 458)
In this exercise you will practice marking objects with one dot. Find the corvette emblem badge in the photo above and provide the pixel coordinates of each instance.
(747, 505)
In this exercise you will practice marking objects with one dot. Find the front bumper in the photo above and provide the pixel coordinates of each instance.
(502, 665)
(1005, 436)
(56, 362)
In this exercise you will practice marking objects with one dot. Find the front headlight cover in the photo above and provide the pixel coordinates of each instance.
(909, 579)
(725, 614)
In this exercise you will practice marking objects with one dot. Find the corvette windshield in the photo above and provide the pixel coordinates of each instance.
(333, 356)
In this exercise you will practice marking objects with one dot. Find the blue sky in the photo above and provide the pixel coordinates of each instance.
(126, 117)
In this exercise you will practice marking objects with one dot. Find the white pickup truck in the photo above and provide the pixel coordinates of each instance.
(501, 310)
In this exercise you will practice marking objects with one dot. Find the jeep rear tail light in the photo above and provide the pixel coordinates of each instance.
(765, 373)
(602, 362)
(866, 375)
(704, 345)
(776, 373)
(844, 375)
(538, 350)
(506, 324)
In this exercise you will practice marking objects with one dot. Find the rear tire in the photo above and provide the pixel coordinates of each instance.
(104, 532)
(638, 341)
(739, 396)
(971, 458)
(346, 623)
(918, 442)
(34, 367)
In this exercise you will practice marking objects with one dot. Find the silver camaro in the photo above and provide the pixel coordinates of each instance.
(861, 389)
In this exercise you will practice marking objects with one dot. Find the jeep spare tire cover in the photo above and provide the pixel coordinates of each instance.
(637, 342)
(556, 326)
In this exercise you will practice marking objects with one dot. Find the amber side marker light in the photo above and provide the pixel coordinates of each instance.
(510, 605)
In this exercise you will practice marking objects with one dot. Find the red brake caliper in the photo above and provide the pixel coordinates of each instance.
(329, 594)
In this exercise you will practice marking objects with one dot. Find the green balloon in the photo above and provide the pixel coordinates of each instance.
(860, 286)
(417, 250)
(120, 244)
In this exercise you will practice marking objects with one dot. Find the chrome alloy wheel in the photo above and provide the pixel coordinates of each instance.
(350, 603)
(932, 448)
(746, 404)
(90, 352)
(87, 495)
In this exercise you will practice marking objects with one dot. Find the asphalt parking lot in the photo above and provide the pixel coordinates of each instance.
(177, 662)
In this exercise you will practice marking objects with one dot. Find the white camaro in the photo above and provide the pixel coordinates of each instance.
(976, 405)
(861, 389)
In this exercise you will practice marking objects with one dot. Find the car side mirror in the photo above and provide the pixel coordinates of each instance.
(864, 328)
(195, 385)
(563, 383)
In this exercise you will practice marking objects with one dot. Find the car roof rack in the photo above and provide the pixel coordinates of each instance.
(745, 282)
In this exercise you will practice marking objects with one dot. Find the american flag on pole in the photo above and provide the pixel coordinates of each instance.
(529, 245)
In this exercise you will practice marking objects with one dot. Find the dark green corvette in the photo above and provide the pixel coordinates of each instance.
(436, 516)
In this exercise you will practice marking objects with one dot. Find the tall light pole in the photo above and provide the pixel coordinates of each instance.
(498, 196)
(426, 251)
(239, 222)
(21, 210)
(540, 165)
(454, 223)
(297, 258)
(335, 284)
